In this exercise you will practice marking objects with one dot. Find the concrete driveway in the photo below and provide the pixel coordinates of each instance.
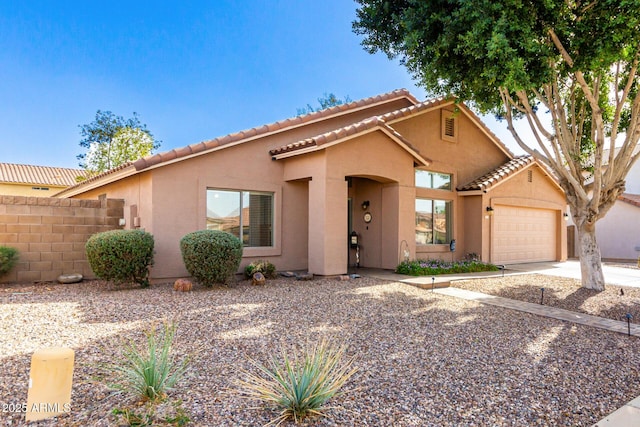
(612, 275)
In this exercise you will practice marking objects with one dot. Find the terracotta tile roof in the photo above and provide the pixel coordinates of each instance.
(632, 199)
(331, 136)
(98, 177)
(497, 175)
(244, 136)
(344, 132)
(41, 175)
(270, 128)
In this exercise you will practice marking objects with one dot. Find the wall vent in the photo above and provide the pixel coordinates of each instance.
(449, 126)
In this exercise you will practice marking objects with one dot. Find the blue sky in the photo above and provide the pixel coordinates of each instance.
(191, 70)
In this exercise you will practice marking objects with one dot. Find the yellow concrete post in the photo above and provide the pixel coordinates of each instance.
(50, 383)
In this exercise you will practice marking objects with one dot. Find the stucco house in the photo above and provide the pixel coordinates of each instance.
(407, 177)
(618, 233)
(39, 181)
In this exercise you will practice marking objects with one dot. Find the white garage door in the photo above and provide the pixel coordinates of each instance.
(523, 235)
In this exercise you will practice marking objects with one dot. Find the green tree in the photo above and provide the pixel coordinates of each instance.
(326, 101)
(567, 67)
(111, 141)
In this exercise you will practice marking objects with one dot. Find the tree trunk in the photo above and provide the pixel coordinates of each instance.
(590, 259)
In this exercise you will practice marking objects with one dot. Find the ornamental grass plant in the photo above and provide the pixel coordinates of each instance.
(151, 371)
(299, 386)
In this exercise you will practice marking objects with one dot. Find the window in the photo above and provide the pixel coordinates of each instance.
(434, 180)
(433, 222)
(247, 215)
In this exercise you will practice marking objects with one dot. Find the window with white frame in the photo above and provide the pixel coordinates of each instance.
(433, 222)
(247, 215)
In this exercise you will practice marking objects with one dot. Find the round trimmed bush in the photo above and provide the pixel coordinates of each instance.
(211, 256)
(8, 258)
(121, 255)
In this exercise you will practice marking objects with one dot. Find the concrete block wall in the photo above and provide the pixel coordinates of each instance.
(50, 234)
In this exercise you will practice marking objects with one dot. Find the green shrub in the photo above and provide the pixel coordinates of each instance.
(435, 266)
(299, 387)
(260, 266)
(8, 258)
(121, 255)
(151, 371)
(211, 256)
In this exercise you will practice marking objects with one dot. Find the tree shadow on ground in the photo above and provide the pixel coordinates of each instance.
(612, 303)
(424, 358)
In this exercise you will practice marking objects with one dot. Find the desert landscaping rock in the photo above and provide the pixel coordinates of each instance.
(258, 279)
(70, 278)
(425, 359)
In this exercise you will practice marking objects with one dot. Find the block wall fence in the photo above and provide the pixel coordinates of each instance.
(50, 234)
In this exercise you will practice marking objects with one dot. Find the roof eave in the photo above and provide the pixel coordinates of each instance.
(417, 157)
(91, 185)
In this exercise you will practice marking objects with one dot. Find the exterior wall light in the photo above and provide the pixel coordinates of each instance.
(565, 216)
(489, 211)
(365, 205)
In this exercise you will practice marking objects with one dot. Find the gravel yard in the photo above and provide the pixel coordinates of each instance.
(424, 358)
(613, 303)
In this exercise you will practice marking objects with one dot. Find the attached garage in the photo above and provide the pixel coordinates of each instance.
(524, 234)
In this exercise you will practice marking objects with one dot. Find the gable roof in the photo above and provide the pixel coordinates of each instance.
(230, 140)
(500, 174)
(632, 199)
(374, 123)
(337, 136)
(279, 126)
(38, 175)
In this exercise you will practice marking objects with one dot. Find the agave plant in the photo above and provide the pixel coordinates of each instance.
(299, 387)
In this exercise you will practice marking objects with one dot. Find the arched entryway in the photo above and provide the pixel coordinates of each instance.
(373, 213)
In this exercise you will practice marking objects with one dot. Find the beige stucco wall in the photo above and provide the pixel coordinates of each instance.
(384, 168)
(311, 194)
(473, 219)
(471, 155)
(34, 190)
(618, 234)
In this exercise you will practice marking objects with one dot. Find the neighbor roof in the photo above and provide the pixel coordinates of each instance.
(632, 199)
(38, 175)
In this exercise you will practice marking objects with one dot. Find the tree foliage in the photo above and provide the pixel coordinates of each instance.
(326, 101)
(569, 68)
(111, 141)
